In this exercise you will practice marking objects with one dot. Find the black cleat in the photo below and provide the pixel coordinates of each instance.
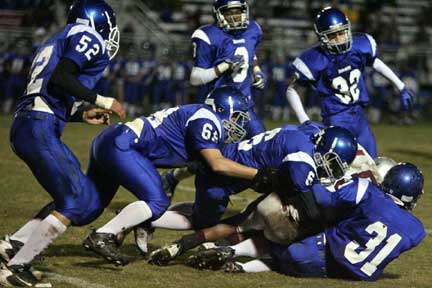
(105, 245)
(9, 248)
(233, 267)
(212, 259)
(164, 255)
(19, 276)
(169, 182)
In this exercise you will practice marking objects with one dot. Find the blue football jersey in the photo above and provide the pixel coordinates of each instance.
(374, 231)
(175, 136)
(77, 42)
(338, 78)
(288, 149)
(212, 46)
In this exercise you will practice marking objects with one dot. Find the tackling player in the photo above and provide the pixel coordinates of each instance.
(128, 155)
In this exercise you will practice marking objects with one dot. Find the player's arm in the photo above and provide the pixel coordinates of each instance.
(387, 72)
(224, 166)
(204, 70)
(349, 193)
(294, 99)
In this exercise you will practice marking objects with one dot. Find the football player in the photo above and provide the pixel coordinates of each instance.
(294, 151)
(224, 54)
(65, 69)
(335, 69)
(373, 227)
(128, 155)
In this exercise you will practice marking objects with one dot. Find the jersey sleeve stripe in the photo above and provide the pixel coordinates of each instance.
(200, 34)
(361, 190)
(303, 68)
(300, 157)
(206, 114)
(83, 28)
(373, 44)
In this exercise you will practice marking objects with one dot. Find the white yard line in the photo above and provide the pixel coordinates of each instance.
(429, 231)
(73, 281)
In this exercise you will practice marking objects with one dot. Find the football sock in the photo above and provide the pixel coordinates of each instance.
(23, 234)
(254, 266)
(47, 231)
(246, 248)
(130, 216)
(172, 220)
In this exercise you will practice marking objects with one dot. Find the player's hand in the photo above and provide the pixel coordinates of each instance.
(111, 104)
(259, 80)
(97, 116)
(266, 180)
(235, 63)
(406, 98)
(117, 108)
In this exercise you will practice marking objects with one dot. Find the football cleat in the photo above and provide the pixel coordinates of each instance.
(164, 255)
(207, 246)
(169, 182)
(19, 276)
(212, 259)
(105, 245)
(233, 267)
(8, 248)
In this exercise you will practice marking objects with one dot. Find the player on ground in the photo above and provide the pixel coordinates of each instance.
(375, 229)
(293, 151)
(335, 68)
(128, 155)
(65, 69)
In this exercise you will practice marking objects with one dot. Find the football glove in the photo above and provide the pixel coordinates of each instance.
(266, 180)
(259, 80)
(406, 98)
(233, 64)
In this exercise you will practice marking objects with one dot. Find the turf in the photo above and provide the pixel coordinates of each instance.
(71, 266)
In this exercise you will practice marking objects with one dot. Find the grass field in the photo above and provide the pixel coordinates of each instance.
(68, 265)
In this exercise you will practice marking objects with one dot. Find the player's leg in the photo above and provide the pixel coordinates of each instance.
(35, 139)
(304, 258)
(365, 136)
(138, 175)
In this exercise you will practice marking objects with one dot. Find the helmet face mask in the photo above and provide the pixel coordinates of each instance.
(335, 150)
(231, 107)
(330, 25)
(231, 15)
(330, 166)
(234, 127)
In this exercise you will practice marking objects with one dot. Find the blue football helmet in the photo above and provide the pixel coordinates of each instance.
(229, 22)
(101, 17)
(335, 150)
(231, 106)
(329, 21)
(404, 182)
